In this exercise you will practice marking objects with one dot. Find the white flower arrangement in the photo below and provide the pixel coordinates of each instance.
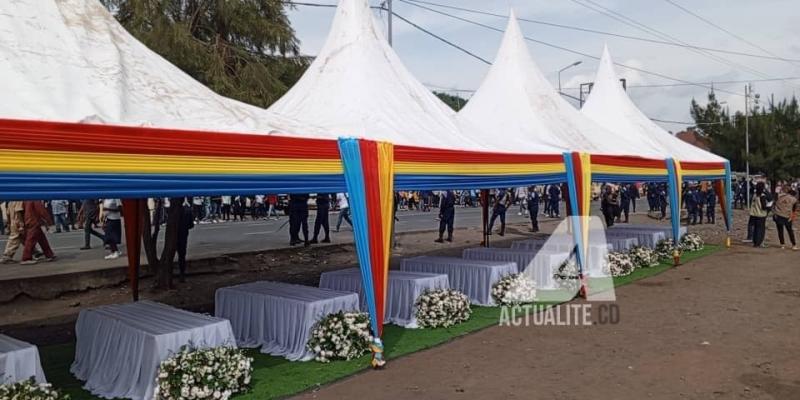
(442, 308)
(30, 390)
(692, 242)
(619, 264)
(340, 336)
(665, 249)
(514, 289)
(196, 374)
(567, 277)
(643, 257)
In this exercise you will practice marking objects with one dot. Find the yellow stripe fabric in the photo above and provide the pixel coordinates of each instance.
(679, 178)
(585, 198)
(695, 172)
(84, 162)
(418, 168)
(615, 170)
(386, 176)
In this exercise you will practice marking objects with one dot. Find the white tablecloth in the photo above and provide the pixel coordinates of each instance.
(472, 277)
(622, 244)
(667, 229)
(544, 265)
(404, 288)
(522, 258)
(19, 361)
(279, 316)
(119, 347)
(646, 237)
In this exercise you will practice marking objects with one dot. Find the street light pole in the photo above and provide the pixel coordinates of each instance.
(576, 63)
(747, 142)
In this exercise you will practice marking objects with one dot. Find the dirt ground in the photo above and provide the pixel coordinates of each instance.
(722, 327)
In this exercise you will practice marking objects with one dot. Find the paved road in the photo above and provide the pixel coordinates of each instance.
(210, 240)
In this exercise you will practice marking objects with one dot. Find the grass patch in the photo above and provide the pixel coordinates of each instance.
(275, 377)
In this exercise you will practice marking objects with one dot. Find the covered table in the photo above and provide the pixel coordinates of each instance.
(279, 316)
(645, 237)
(472, 277)
(119, 347)
(643, 227)
(622, 244)
(404, 288)
(521, 257)
(544, 265)
(19, 361)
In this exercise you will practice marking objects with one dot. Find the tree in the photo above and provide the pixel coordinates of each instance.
(243, 49)
(455, 102)
(774, 136)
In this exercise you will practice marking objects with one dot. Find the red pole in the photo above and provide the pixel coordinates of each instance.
(132, 211)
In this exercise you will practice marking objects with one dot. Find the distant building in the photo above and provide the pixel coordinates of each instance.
(691, 136)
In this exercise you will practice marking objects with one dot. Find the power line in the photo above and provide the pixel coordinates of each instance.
(442, 39)
(657, 74)
(735, 36)
(594, 6)
(604, 33)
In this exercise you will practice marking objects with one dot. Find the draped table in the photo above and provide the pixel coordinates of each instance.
(119, 347)
(472, 277)
(622, 244)
(521, 257)
(643, 227)
(645, 237)
(403, 290)
(19, 361)
(279, 316)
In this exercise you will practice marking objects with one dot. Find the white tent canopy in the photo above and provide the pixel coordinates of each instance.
(610, 106)
(516, 104)
(71, 61)
(357, 86)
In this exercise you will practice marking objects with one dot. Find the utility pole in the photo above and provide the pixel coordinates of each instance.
(747, 142)
(389, 6)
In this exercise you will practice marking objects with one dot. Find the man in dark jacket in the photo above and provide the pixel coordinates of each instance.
(298, 218)
(185, 223)
(711, 205)
(321, 221)
(499, 210)
(447, 215)
(89, 211)
(533, 208)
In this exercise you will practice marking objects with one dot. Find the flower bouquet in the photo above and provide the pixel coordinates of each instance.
(619, 264)
(341, 336)
(214, 373)
(665, 249)
(514, 289)
(567, 277)
(30, 390)
(643, 257)
(692, 242)
(442, 308)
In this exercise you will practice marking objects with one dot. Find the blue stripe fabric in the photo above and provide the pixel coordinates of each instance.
(575, 220)
(354, 176)
(28, 186)
(674, 190)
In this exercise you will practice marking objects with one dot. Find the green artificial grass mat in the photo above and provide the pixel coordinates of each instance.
(275, 377)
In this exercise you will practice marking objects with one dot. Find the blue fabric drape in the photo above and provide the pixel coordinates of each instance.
(575, 220)
(674, 191)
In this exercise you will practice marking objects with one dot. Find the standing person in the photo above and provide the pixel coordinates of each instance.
(216, 208)
(344, 210)
(59, 208)
(607, 206)
(298, 218)
(690, 199)
(633, 192)
(711, 206)
(272, 199)
(226, 208)
(15, 215)
(323, 201)
(36, 218)
(185, 223)
(499, 210)
(554, 197)
(625, 199)
(257, 210)
(533, 208)
(785, 208)
(546, 200)
(759, 208)
(89, 213)
(197, 208)
(662, 199)
(522, 198)
(112, 225)
(447, 215)
(702, 198)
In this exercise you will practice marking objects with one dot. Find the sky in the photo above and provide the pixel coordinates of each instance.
(769, 24)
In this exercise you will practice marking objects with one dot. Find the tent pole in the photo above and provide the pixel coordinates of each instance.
(485, 216)
(132, 210)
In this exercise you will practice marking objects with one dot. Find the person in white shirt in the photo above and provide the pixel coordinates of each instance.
(344, 210)
(226, 208)
(112, 225)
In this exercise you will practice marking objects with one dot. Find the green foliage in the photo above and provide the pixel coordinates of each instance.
(455, 102)
(243, 49)
(774, 135)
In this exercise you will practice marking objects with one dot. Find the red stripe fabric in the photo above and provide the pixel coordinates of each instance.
(420, 154)
(627, 161)
(95, 138)
(688, 165)
(369, 165)
(577, 166)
